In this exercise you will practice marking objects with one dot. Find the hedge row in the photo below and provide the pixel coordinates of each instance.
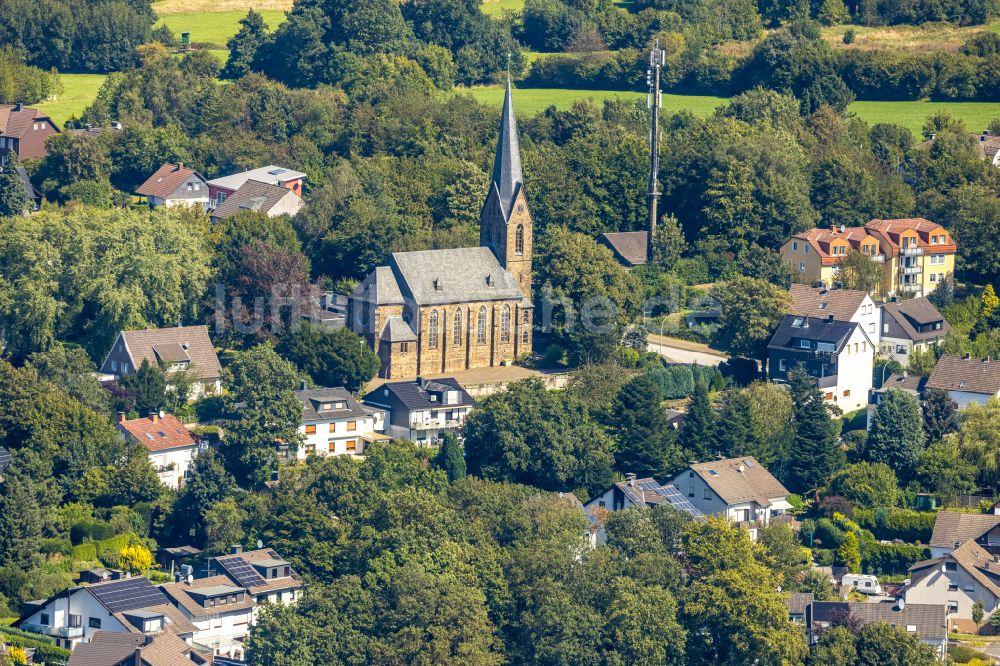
(45, 651)
(86, 552)
(891, 558)
(903, 524)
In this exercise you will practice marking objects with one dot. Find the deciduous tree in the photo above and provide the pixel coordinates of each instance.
(751, 310)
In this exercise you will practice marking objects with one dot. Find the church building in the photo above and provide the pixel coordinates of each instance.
(438, 311)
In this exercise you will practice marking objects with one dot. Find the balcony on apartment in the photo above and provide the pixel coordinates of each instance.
(912, 251)
(435, 424)
(911, 270)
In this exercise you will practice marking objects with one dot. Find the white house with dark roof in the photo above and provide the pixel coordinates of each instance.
(838, 354)
(958, 580)
(910, 325)
(967, 380)
(635, 492)
(170, 446)
(422, 410)
(127, 605)
(335, 423)
(740, 489)
(842, 304)
(179, 349)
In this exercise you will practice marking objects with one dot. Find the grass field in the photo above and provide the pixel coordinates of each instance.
(495, 7)
(215, 27)
(80, 91)
(530, 101)
(923, 38)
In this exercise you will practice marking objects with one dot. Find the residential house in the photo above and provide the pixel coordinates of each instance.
(34, 196)
(220, 611)
(175, 185)
(258, 197)
(842, 304)
(632, 492)
(911, 384)
(171, 447)
(916, 253)
(124, 606)
(629, 247)
(966, 379)
(219, 189)
(335, 423)
(958, 580)
(107, 648)
(987, 144)
(797, 603)
(838, 354)
(740, 489)
(910, 325)
(927, 621)
(23, 132)
(422, 410)
(265, 575)
(180, 349)
(952, 529)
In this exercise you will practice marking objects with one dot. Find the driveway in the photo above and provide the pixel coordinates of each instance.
(684, 351)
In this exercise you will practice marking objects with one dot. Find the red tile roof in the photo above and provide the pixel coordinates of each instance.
(15, 123)
(159, 434)
(166, 180)
(886, 232)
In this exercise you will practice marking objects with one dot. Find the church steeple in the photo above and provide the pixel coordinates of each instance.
(507, 175)
(505, 224)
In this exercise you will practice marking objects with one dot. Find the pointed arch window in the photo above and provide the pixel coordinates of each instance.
(432, 330)
(519, 239)
(458, 328)
(481, 326)
(525, 326)
(505, 324)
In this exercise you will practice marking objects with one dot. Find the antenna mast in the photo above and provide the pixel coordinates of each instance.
(657, 58)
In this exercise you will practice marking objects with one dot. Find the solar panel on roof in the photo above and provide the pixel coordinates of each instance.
(128, 594)
(242, 571)
(678, 501)
(649, 485)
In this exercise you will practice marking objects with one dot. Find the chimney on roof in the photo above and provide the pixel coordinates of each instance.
(180, 165)
(829, 318)
(303, 385)
(905, 374)
(741, 468)
(121, 417)
(968, 356)
(18, 106)
(630, 479)
(236, 549)
(154, 417)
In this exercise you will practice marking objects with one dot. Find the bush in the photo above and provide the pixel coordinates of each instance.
(828, 534)
(961, 654)
(849, 36)
(903, 524)
(85, 552)
(824, 556)
(891, 558)
(45, 651)
(90, 531)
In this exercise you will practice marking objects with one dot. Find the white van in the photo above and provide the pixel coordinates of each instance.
(862, 583)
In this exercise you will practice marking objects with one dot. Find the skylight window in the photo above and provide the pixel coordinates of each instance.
(149, 436)
(712, 472)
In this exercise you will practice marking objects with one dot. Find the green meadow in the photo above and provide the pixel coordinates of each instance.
(216, 28)
(79, 91)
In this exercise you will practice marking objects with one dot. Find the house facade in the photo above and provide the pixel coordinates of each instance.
(439, 311)
(171, 447)
(220, 189)
(839, 355)
(957, 580)
(967, 380)
(952, 529)
(186, 349)
(422, 410)
(910, 325)
(175, 185)
(23, 132)
(916, 254)
(334, 423)
(255, 196)
(927, 621)
(740, 489)
(843, 304)
(126, 605)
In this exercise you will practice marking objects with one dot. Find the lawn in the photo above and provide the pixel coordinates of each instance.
(215, 27)
(530, 101)
(922, 38)
(80, 91)
(495, 7)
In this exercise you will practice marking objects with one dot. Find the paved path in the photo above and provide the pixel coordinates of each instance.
(684, 351)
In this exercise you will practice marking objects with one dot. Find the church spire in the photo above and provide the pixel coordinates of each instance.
(507, 175)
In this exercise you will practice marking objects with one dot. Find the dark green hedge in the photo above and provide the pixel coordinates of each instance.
(903, 524)
(891, 558)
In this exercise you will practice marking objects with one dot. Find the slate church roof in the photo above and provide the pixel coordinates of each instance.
(507, 176)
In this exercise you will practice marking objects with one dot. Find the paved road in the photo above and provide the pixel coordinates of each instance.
(683, 351)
